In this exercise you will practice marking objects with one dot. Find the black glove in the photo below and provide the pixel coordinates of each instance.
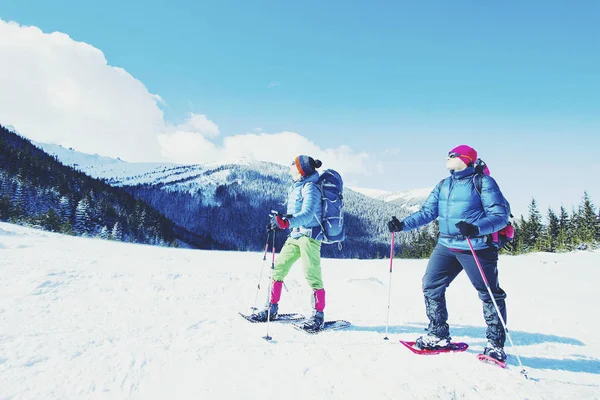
(395, 226)
(467, 230)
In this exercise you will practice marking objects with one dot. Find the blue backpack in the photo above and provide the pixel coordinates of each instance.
(332, 206)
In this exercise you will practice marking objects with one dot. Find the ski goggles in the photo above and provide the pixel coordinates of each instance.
(454, 155)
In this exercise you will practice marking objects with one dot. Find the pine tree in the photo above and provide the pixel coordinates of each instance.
(587, 221)
(532, 231)
(574, 227)
(4, 208)
(103, 233)
(19, 201)
(117, 232)
(598, 228)
(65, 208)
(521, 229)
(143, 219)
(66, 228)
(51, 221)
(5, 184)
(563, 242)
(425, 241)
(552, 232)
(82, 217)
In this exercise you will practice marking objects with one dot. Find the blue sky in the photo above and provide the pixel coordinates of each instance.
(401, 81)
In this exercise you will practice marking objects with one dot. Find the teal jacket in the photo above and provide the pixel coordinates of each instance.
(304, 204)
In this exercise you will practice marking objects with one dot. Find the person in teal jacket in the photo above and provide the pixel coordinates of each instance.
(304, 242)
(462, 212)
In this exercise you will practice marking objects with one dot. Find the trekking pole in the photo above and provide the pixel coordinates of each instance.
(390, 288)
(272, 216)
(261, 271)
(267, 337)
(487, 285)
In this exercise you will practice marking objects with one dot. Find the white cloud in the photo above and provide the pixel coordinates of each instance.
(187, 142)
(159, 99)
(198, 123)
(280, 148)
(57, 90)
(187, 147)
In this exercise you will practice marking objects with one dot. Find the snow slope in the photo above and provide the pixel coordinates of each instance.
(411, 200)
(86, 318)
(411, 195)
(372, 193)
(101, 167)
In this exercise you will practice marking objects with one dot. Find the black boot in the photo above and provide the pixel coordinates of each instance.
(495, 351)
(262, 316)
(438, 332)
(316, 322)
(438, 316)
(495, 332)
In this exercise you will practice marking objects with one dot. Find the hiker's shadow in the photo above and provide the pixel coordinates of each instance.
(578, 363)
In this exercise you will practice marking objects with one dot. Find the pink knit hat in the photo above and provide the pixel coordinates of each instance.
(467, 154)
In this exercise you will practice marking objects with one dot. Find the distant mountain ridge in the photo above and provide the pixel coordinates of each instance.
(411, 200)
(38, 190)
(229, 202)
(121, 173)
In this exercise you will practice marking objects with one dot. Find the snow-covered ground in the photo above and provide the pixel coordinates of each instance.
(92, 319)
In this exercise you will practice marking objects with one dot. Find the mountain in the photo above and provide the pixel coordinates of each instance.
(112, 170)
(372, 193)
(121, 173)
(411, 201)
(12, 129)
(37, 190)
(229, 202)
(93, 319)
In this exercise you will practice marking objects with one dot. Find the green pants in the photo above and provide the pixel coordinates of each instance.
(306, 248)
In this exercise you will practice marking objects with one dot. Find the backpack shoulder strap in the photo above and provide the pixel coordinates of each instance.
(318, 185)
(478, 182)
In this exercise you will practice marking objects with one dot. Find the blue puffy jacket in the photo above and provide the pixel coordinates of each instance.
(304, 204)
(456, 199)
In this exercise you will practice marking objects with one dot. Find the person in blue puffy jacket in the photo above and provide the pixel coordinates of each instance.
(304, 242)
(462, 213)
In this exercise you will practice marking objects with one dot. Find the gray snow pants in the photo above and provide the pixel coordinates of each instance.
(445, 265)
